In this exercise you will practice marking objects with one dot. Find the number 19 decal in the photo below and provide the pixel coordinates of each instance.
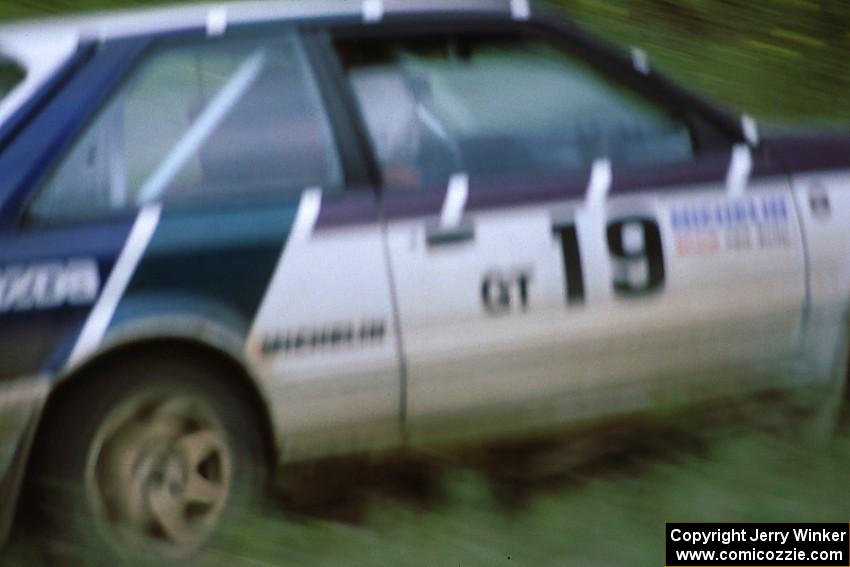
(637, 257)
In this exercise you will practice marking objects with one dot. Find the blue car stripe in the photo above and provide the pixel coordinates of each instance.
(213, 264)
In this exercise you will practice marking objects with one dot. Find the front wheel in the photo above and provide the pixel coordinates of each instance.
(147, 459)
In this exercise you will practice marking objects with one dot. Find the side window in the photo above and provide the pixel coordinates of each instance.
(219, 119)
(494, 105)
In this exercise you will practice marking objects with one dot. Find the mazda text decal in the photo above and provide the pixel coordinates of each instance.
(48, 285)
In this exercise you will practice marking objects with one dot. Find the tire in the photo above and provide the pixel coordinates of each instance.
(144, 462)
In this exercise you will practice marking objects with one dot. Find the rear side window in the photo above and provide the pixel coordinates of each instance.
(493, 105)
(10, 75)
(222, 119)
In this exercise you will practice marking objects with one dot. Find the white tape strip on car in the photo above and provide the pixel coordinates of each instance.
(750, 128)
(216, 21)
(308, 213)
(520, 9)
(599, 184)
(740, 167)
(455, 202)
(373, 10)
(101, 315)
(640, 60)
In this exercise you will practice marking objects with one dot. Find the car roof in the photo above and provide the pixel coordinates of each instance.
(137, 21)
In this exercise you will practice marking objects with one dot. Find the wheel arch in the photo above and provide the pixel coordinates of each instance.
(232, 367)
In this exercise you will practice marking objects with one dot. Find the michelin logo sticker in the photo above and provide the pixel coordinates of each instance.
(731, 225)
(50, 285)
(340, 335)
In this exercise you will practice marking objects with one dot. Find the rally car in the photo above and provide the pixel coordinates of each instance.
(236, 236)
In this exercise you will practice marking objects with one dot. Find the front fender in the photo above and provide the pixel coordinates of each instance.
(224, 335)
(21, 402)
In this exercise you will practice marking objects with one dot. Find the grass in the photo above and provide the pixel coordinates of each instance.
(612, 513)
(785, 62)
(592, 500)
(540, 506)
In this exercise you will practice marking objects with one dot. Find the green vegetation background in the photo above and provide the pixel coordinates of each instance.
(784, 60)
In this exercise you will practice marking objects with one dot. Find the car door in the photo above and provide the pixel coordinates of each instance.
(565, 241)
(208, 200)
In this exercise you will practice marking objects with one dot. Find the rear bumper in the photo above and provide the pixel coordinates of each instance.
(20, 404)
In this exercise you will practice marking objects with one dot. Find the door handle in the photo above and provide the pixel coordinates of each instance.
(437, 235)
